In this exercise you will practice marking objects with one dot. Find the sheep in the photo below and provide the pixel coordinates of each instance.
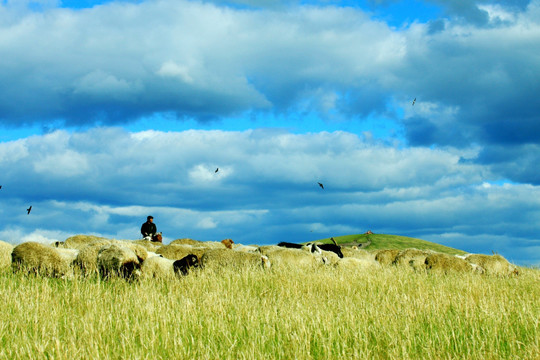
(5, 254)
(139, 250)
(148, 245)
(183, 265)
(245, 248)
(79, 241)
(312, 248)
(412, 257)
(153, 254)
(493, 265)
(328, 257)
(157, 267)
(68, 254)
(200, 244)
(160, 267)
(115, 259)
(448, 263)
(41, 259)
(178, 251)
(386, 256)
(86, 259)
(210, 245)
(225, 257)
(287, 257)
(185, 241)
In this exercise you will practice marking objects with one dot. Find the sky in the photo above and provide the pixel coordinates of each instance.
(421, 119)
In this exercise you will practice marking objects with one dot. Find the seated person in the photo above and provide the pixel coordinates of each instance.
(148, 229)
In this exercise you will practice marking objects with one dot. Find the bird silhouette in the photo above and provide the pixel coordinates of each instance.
(29, 209)
(0, 186)
(321, 185)
(413, 101)
(217, 169)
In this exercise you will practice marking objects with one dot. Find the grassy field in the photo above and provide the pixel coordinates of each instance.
(324, 313)
(384, 241)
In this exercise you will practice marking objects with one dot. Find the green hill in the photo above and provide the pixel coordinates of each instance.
(383, 241)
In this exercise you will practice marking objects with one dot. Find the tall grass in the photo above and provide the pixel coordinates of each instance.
(325, 313)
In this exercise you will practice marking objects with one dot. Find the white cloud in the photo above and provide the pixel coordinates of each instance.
(68, 163)
(170, 68)
(207, 223)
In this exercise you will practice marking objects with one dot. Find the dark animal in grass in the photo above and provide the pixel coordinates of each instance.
(290, 245)
(335, 248)
(183, 265)
(331, 247)
(307, 247)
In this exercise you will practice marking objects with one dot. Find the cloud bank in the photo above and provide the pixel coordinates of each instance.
(106, 180)
(121, 61)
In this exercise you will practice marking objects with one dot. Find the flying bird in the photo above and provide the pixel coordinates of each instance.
(413, 101)
(321, 185)
(29, 209)
(217, 169)
(0, 186)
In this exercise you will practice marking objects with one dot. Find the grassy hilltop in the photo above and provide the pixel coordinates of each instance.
(383, 241)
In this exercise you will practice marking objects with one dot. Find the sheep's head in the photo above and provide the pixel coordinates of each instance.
(265, 262)
(228, 243)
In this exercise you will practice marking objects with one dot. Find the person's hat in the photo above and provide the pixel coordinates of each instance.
(149, 217)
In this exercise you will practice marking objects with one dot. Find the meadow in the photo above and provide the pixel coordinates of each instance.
(286, 313)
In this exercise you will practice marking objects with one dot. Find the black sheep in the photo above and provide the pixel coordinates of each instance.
(183, 265)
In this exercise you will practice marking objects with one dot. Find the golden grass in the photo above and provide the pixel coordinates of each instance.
(390, 313)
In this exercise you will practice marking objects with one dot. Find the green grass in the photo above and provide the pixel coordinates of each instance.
(324, 313)
(383, 241)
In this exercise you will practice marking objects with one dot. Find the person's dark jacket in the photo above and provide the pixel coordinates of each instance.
(148, 229)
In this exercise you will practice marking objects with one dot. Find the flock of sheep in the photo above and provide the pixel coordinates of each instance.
(83, 255)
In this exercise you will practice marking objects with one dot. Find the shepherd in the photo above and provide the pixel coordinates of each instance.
(149, 230)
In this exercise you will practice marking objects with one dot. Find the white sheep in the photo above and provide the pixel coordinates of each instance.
(79, 241)
(42, 259)
(86, 259)
(118, 260)
(287, 257)
(157, 267)
(245, 248)
(178, 251)
(493, 265)
(231, 258)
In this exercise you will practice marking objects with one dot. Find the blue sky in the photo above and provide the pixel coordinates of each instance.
(110, 111)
